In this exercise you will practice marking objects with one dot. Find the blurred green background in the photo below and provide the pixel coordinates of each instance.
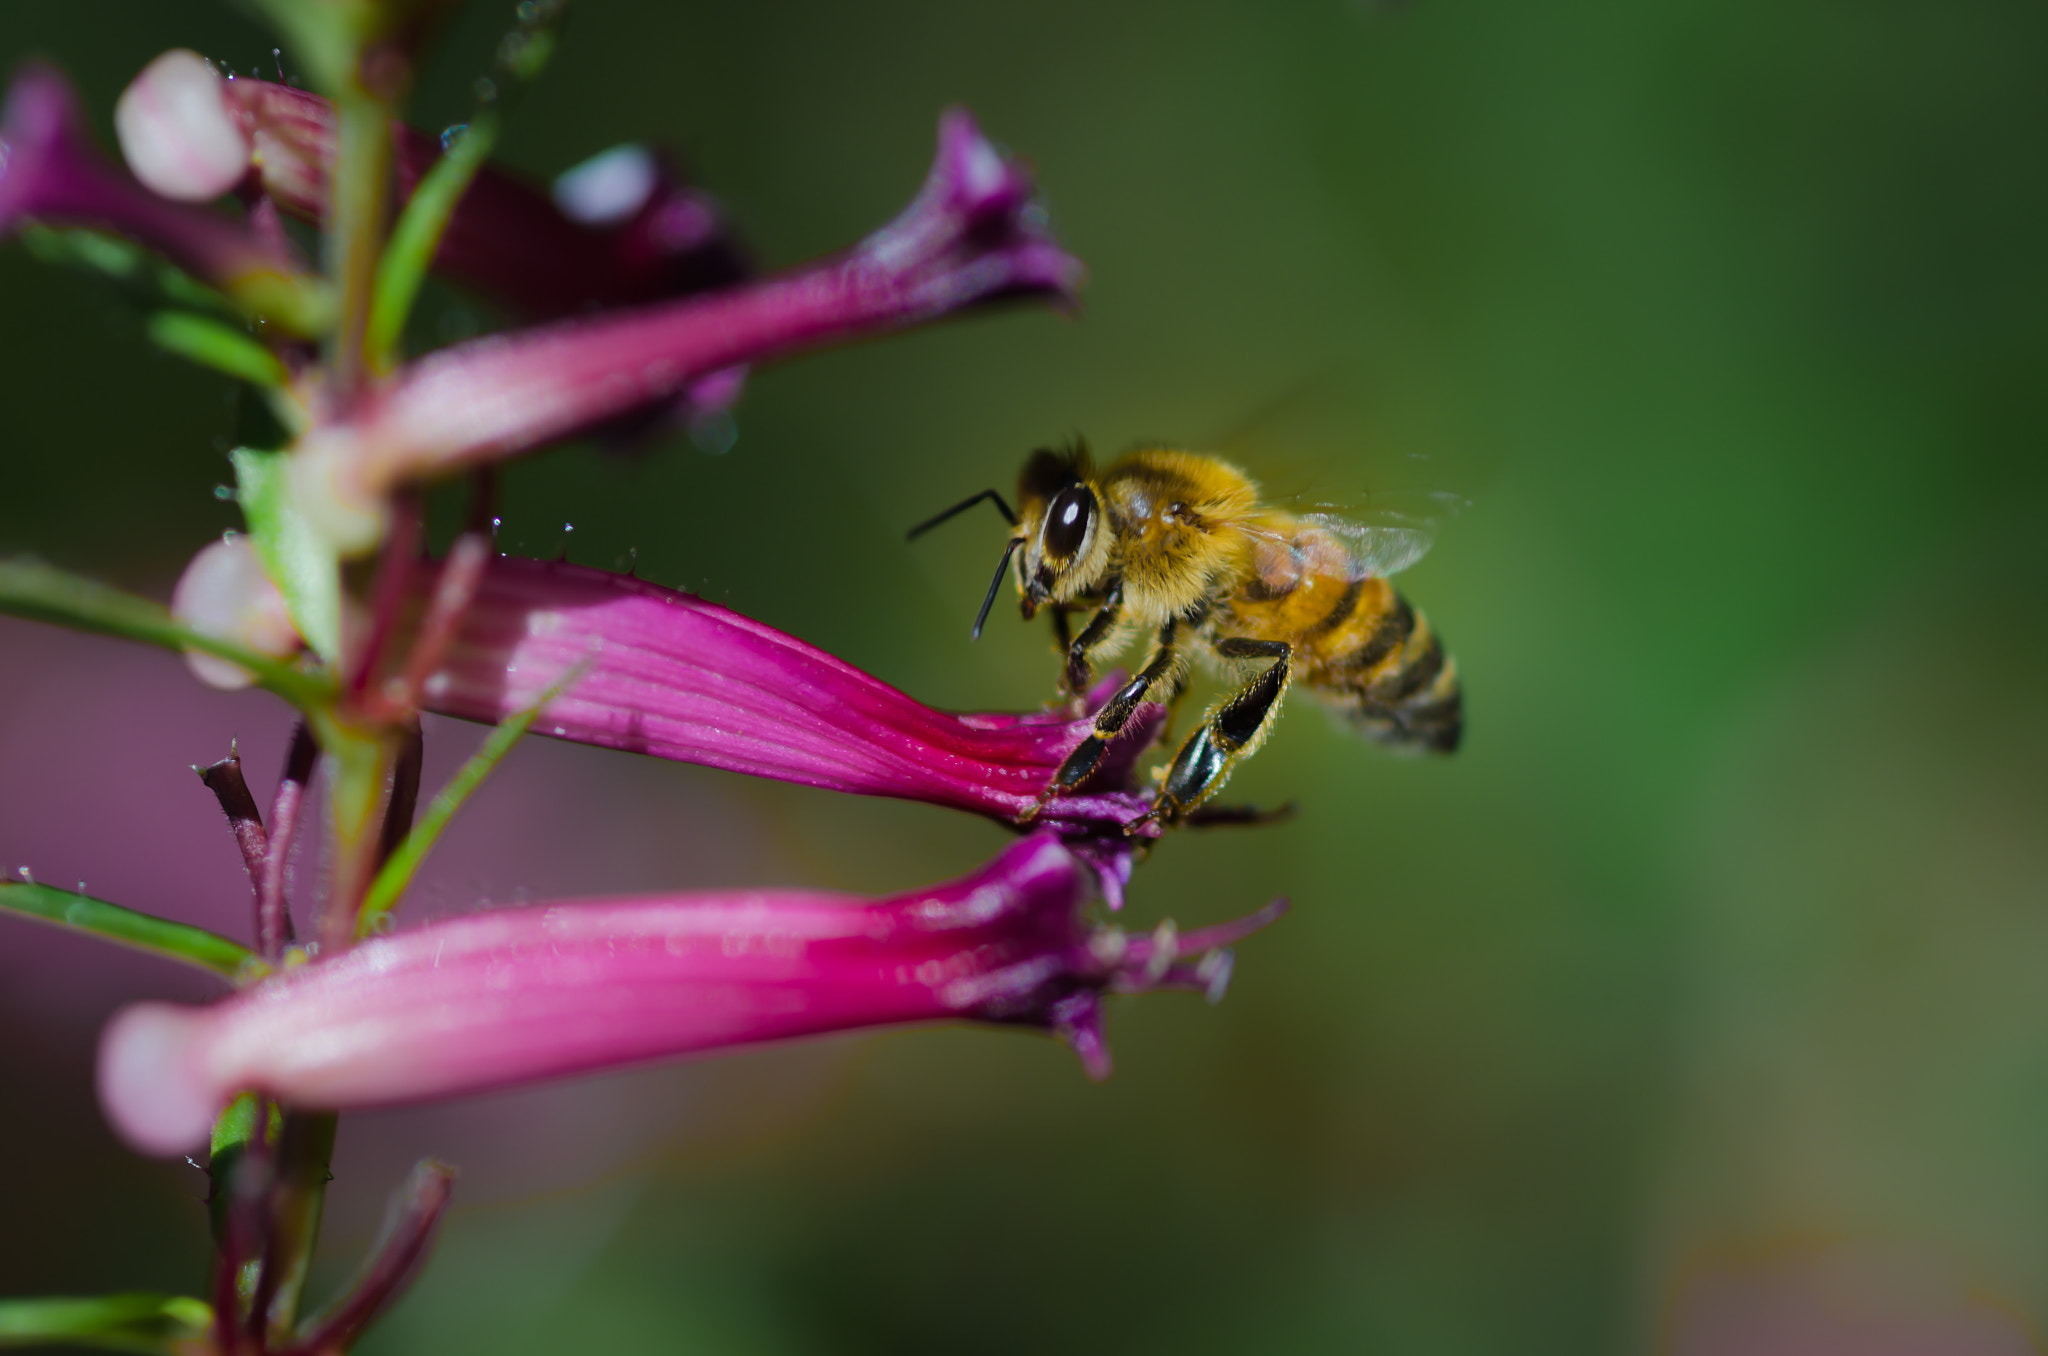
(1722, 938)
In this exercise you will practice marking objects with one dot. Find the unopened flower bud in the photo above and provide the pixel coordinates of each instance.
(224, 593)
(177, 131)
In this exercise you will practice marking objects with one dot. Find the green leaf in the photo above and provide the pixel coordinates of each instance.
(410, 251)
(39, 592)
(144, 932)
(300, 561)
(147, 279)
(77, 247)
(398, 870)
(209, 343)
(132, 1322)
(299, 302)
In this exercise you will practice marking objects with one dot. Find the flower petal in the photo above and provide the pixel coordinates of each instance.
(513, 996)
(671, 675)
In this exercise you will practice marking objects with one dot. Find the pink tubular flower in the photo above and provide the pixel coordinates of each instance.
(660, 672)
(507, 240)
(972, 235)
(513, 996)
(50, 171)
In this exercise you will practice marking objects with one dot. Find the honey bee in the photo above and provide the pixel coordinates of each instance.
(1178, 545)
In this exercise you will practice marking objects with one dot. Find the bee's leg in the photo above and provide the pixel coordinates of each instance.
(1230, 732)
(1078, 673)
(1062, 628)
(1111, 719)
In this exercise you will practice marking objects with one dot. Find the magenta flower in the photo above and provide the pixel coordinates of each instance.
(660, 672)
(511, 996)
(972, 235)
(633, 235)
(51, 172)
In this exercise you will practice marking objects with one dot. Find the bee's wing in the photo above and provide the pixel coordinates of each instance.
(1383, 541)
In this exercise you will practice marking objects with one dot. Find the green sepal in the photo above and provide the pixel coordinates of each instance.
(131, 1322)
(398, 869)
(299, 560)
(210, 343)
(410, 251)
(145, 932)
(298, 302)
(146, 277)
(29, 588)
(301, 303)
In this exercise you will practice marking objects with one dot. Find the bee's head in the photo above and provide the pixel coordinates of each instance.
(1060, 527)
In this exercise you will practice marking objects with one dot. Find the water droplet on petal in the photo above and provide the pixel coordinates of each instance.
(452, 134)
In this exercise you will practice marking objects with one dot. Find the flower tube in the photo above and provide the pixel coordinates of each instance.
(652, 670)
(514, 996)
(972, 235)
(507, 240)
(50, 171)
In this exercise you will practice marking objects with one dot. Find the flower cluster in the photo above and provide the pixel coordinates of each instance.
(638, 307)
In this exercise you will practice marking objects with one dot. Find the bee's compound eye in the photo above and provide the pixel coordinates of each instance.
(1066, 520)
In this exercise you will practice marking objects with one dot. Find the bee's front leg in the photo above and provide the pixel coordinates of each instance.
(1232, 730)
(1078, 673)
(1111, 719)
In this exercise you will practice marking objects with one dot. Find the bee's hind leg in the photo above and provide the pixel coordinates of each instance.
(1111, 719)
(1232, 730)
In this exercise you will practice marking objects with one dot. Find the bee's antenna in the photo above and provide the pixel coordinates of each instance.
(965, 504)
(997, 582)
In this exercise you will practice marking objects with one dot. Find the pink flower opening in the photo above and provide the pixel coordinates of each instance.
(514, 996)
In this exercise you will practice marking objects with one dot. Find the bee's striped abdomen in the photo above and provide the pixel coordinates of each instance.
(1379, 661)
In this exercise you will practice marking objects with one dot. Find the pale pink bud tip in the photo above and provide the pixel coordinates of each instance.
(177, 131)
(225, 594)
(150, 1086)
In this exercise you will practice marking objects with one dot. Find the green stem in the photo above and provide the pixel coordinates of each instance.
(305, 1151)
(361, 762)
(39, 592)
(355, 234)
(144, 932)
